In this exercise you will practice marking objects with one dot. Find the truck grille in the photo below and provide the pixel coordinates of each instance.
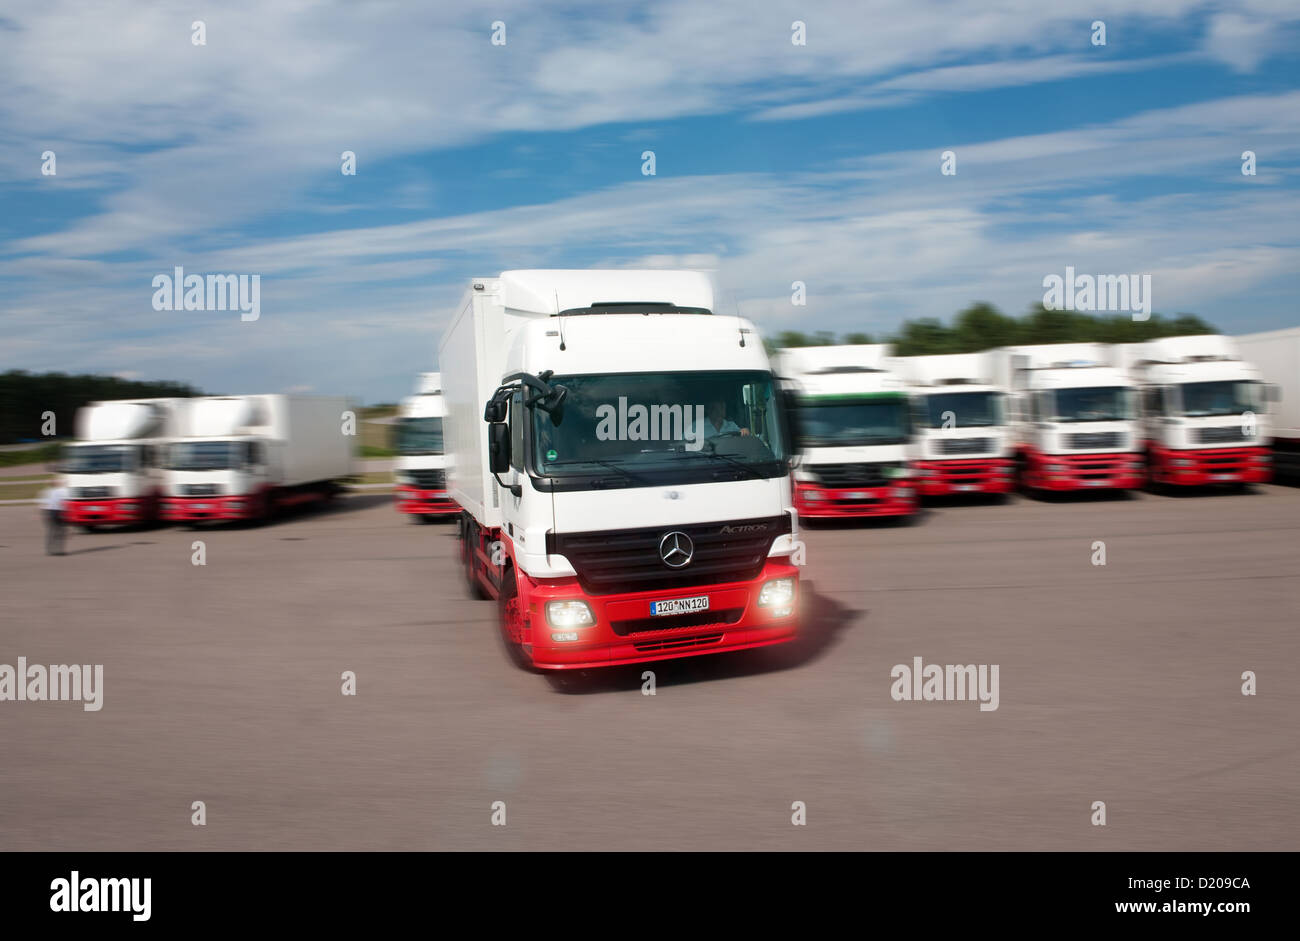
(92, 493)
(199, 490)
(654, 646)
(680, 622)
(965, 445)
(1099, 439)
(1229, 433)
(428, 479)
(628, 560)
(848, 475)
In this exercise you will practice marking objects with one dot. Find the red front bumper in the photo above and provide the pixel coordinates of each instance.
(895, 499)
(978, 475)
(1082, 471)
(1193, 468)
(109, 511)
(424, 502)
(625, 631)
(195, 509)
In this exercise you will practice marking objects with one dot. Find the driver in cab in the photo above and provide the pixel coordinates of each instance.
(716, 422)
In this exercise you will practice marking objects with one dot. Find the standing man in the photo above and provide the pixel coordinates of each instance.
(52, 500)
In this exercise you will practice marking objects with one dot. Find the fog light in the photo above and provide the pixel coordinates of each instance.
(1179, 462)
(777, 594)
(1056, 468)
(812, 495)
(904, 491)
(568, 614)
(565, 637)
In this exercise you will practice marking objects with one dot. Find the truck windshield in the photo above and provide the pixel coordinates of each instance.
(968, 409)
(657, 427)
(97, 459)
(1100, 403)
(1228, 397)
(419, 436)
(204, 455)
(841, 422)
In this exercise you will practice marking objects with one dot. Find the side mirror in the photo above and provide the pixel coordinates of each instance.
(499, 447)
(496, 409)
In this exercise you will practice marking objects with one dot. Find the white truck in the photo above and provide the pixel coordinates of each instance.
(1277, 354)
(1203, 411)
(854, 427)
(421, 464)
(963, 439)
(1073, 416)
(242, 457)
(112, 470)
(620, 457)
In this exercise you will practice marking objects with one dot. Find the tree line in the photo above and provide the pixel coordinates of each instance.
(982, 326)
(26, 397)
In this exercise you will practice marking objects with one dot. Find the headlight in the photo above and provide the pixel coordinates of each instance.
(566, 614)
(897, 471)
(404, 478)
(812, 495)
(777, 594)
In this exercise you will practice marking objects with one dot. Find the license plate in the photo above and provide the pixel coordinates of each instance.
(1095, 483)
(202, 506)
(1223, 477)
(679, 606)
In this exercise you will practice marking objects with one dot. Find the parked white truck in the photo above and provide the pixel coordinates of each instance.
(1277, 355)
(112, 470)
(963, 439)
(245, 456)
(855, 437)
(1203, 411)
(421, 464)
(620, 456)
(1073, 416)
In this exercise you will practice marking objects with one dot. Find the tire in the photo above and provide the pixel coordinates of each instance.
(510, 622)
(472, 586)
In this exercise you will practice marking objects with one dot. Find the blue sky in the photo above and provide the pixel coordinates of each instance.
(775, 163)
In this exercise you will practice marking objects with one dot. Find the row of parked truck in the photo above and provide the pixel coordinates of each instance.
(628, 469)
(210, 458)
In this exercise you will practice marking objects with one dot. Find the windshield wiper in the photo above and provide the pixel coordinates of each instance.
(610, 464)
(730, 460)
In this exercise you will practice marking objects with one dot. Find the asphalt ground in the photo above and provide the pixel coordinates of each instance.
(222, 683)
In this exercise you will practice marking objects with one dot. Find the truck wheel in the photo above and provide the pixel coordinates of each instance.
(472, 586)
(510, 619)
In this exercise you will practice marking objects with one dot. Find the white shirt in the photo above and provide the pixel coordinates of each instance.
(710, 430)
(53, 498)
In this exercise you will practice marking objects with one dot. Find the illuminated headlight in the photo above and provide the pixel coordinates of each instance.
(1179, 462)
(777, 594)
(563, 614)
